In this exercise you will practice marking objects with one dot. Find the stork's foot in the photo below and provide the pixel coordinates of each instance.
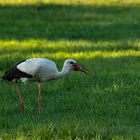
(39, 104)
(22, 107)
(20, 97)
(39, 96)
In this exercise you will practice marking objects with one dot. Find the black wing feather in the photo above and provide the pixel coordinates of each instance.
(15, 73)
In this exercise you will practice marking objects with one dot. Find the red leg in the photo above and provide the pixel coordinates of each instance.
(39, 96)
(20, 97)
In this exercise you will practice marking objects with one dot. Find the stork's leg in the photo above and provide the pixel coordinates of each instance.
(39, 95)
(20, 97)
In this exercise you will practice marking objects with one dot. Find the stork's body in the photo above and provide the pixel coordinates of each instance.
(40, 70)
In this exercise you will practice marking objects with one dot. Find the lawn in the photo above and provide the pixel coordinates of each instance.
(103, 36)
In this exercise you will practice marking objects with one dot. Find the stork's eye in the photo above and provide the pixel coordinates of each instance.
(71, 62)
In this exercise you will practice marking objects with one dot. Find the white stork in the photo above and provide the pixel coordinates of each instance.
(40, 70)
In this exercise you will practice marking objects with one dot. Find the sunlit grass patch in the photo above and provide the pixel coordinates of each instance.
(87, 55)
(89, 2)
(14, 50)
(69, 45)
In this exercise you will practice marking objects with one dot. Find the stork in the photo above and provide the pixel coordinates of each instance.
(40, 70)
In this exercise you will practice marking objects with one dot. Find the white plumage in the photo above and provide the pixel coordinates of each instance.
(43, 69)
(40, 68)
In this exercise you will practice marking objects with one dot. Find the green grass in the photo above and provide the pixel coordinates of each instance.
(105, 38)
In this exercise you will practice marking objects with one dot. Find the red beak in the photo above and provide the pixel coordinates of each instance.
(78, 67)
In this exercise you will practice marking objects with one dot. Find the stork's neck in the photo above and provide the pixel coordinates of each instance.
(65, 70)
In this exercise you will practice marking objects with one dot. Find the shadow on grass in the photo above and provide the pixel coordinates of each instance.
(55, 22)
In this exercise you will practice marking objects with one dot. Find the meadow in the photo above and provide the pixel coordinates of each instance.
(103, 36)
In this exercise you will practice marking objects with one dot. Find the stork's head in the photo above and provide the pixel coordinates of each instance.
(73, 65)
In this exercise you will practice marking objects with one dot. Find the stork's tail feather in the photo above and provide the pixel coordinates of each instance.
(15, 73)
(7, 76)
(4, 77)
